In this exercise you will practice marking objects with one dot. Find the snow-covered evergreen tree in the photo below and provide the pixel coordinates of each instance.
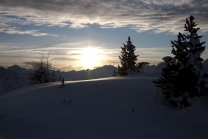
(182, 77)
(128, 59)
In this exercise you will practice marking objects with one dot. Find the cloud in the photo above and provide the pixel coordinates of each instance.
(66, 68)
(30, 64)
(15, 30)
(139, 15)
(59, 54)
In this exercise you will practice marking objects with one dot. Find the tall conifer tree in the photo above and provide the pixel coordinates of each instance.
(132, 58)
(182, 78)
(122, 70)
(128, 59)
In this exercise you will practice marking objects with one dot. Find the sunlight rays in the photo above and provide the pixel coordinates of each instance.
(90, 57)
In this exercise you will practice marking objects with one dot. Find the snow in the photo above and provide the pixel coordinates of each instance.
(15, 77)
(99, 109)
(12, 78)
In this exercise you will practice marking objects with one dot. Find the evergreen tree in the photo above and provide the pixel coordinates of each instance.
(182, 78)
(122, 71)
(132, 58)
(128, 59)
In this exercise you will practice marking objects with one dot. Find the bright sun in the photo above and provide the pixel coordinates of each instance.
(90, 57)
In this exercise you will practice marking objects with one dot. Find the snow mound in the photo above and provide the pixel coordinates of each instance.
(109, 108)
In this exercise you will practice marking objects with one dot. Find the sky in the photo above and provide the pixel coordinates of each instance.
(82, 34)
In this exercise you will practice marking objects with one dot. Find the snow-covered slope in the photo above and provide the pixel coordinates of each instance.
(15, 77)
(12, 78)
(108, 108)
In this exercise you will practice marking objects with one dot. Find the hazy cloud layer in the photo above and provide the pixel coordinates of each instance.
(139, 15)
(63, 55)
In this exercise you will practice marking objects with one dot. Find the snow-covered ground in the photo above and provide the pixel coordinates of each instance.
(15, 77)
(99, 109)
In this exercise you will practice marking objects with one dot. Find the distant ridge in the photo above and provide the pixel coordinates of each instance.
(15, 77)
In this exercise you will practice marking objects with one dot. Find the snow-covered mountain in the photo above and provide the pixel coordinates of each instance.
(149, 68)
(12, 78)
(110, 108)
(15, 77)
(100, 72)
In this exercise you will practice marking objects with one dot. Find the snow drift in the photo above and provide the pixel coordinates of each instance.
(109, 108)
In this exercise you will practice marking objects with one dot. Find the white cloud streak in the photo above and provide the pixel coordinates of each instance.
(14, 30)
(139, 15)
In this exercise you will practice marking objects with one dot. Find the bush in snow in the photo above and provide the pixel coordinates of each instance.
(43, 72)
(183, 77)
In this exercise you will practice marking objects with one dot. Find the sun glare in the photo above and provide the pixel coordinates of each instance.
(90, 57)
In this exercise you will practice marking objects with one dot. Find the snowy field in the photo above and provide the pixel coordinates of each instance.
(99, 109)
